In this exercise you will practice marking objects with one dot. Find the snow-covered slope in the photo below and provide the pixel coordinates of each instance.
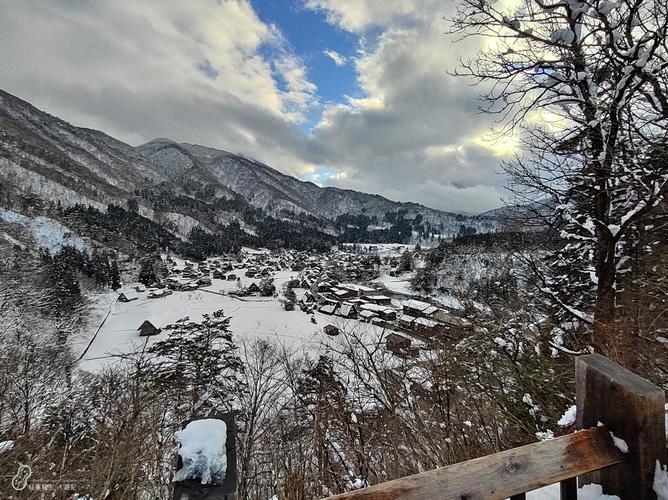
(49, 234)
(46, 156)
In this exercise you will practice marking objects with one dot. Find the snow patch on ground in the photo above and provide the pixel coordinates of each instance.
(568, 418)
(12, 241)
(661, 481)
(620, 443)
(588, 492)
(202, 451)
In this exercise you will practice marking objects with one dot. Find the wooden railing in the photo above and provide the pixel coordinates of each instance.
(611, 401)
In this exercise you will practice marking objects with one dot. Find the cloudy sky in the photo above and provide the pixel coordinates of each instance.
(351, 93)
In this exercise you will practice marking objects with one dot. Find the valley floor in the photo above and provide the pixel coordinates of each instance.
(252, 318)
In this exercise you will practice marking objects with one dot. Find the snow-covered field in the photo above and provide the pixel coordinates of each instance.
(399, 284)
(252, 318)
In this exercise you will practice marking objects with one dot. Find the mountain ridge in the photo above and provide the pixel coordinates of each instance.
(184, 185)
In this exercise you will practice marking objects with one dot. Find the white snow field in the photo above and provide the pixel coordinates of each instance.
(399, 284)
(252, 318)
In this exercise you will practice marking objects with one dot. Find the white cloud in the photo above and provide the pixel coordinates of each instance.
(359, 15)
(338, 59)
(212, 72)
(209, 72)
(415, 131)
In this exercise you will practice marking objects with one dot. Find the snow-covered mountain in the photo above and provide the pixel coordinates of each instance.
(277, 193)
(178, 185)
(45, 156)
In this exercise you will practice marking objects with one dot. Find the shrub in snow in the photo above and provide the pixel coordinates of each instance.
(202, 451)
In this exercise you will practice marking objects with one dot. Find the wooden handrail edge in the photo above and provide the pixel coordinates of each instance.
(503, 474)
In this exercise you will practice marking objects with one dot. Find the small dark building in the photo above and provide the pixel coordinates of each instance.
(400, 346)
(331, 330)
(388, 314)
(128, 296)
(394, 342)
(289, 306)
(149, 327)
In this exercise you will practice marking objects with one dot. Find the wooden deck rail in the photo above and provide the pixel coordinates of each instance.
(610, 401)
(503, 474)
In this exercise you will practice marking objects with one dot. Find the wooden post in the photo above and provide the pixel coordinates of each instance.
(632, 409)
(568, 489)
(192, 489)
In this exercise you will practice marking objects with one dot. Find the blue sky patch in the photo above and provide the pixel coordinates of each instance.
(309, 36)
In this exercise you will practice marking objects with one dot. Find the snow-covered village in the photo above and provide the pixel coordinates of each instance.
(365, 289)
(334, 249)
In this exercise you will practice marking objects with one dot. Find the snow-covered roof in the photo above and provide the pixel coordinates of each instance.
(327, 308)
(377, 308)
(129, 294)
(406, 318)
(368, 314)
(418, 305)
(429, 323)
(355, 287)
(346, 308)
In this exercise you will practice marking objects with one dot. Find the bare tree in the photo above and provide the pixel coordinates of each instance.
(266, 394)
(585, 84)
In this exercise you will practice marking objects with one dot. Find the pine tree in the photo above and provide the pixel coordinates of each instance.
(147, 272)
(199, 362)
(406, 262)
(115, 275)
